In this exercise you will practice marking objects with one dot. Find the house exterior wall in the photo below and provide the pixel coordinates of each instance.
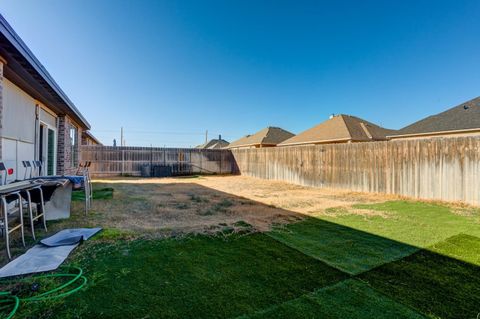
(18, 128)
(19, 134)
(69, 140)
(451, 134)
(2, 62)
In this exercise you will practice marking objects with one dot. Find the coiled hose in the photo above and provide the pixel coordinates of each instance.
(7, 298)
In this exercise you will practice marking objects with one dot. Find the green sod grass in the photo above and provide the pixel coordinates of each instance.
(418, 224)
(443, 282)
(348, 299)
(355, 243)
(342, 247)
(413, 261)
(196, 277)
(102, 193)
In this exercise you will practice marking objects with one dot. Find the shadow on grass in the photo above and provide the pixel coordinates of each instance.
(296, 270)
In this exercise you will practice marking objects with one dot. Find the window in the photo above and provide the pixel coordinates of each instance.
(51, 152)
(73, 146)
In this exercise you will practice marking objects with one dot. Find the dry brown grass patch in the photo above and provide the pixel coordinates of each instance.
(206, 204)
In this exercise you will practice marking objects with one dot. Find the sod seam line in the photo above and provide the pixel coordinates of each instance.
(310, 255)
(389, 297)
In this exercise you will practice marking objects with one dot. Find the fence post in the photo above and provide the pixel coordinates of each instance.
(151, 161)
(123, 162)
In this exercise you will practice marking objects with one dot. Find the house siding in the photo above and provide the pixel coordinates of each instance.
(19, 131)
(1, 103)
(18, 128)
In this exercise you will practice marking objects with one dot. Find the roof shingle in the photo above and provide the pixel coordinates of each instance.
(340, 128)
(214, 144)
(464, 116)
(270, 136)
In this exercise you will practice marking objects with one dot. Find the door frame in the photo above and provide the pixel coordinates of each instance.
(45, 143)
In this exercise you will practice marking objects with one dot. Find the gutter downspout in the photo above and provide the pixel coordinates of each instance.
(36, 150)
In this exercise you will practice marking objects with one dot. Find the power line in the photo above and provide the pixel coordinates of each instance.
(154, 132)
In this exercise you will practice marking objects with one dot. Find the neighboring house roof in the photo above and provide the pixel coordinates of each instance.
(465, 116)
(268, 136)
(89, 135)
(214, 144)
(24, 69)
(340, 128)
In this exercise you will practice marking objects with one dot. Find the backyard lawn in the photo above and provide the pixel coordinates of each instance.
(238, 247)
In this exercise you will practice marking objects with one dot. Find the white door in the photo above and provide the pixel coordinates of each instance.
(48, 149)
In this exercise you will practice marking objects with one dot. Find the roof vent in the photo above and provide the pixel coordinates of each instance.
(465, 107)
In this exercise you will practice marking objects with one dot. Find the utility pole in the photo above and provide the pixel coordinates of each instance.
(206, 136)
(121, 136)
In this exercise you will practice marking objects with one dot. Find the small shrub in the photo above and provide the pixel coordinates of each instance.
(181, 206)
(224, 203)
(198, 199)
(242, 223)
(113, 234)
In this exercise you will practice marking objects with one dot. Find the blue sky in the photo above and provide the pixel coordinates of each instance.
(169, 70)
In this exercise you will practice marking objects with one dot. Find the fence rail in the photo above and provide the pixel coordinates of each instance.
(115, 161)
(440, 168)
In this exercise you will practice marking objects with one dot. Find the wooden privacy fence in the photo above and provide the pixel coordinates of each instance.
(440, 168)
(116, 161)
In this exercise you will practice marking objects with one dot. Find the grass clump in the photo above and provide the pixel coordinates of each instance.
(181, 206)
(101, 193)
(197, 199)
(113, 234)
(219, 207)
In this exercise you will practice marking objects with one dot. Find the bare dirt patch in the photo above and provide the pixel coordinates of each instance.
(212, 203)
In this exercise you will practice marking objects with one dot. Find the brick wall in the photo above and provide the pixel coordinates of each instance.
(66, 157)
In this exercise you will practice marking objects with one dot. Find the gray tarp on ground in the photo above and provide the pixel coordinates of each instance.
(49, 254)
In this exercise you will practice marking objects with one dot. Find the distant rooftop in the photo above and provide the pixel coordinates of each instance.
(465, 116)
(269, 136)
(340, 128)
(214, 144)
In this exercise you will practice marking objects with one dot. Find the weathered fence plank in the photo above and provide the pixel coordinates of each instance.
(440, 168)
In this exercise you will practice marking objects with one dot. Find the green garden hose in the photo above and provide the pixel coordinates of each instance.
(7, 297)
